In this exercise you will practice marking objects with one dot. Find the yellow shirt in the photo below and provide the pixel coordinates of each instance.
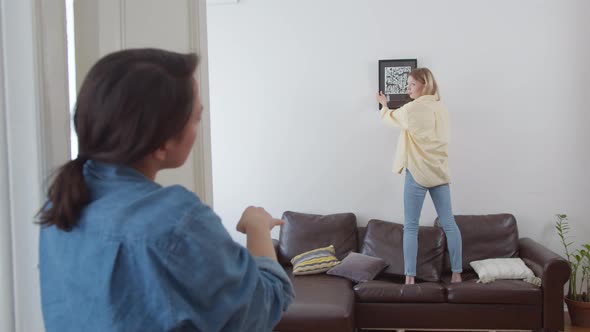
(423, 142)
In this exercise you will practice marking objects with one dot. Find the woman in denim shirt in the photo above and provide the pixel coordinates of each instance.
(119, 252)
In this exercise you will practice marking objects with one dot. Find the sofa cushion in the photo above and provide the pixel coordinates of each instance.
(491, 269)
(485, 236)
(385, 240)
(358, 267)
(303, 232)
(384, 291)
(315, 261)
(498, 292)
(322, 303)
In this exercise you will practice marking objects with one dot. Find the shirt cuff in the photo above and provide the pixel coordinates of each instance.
(384, 111)
(272, 266)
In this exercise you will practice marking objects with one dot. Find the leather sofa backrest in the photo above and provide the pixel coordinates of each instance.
(361, 231)
(385, 240)
(483, 237)
(303, 232)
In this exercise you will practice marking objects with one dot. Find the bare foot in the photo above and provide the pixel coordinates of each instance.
(410, 280)
(456, 277)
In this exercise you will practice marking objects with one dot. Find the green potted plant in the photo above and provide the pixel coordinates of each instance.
(578, 297)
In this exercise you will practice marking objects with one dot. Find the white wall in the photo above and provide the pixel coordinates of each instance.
(294, 121)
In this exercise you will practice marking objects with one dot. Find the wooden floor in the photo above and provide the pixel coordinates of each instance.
(570, 328)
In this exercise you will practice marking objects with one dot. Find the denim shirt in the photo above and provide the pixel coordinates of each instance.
(150, 258)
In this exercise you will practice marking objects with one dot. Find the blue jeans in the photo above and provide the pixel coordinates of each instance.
(413, 200)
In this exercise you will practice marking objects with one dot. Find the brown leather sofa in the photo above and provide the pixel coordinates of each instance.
(328, 303)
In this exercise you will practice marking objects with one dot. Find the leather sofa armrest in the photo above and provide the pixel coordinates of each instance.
(275, 244)
(554, 272)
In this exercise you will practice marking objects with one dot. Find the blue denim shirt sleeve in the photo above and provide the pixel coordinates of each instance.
(149, 258)
(281, 284)
(214, 283)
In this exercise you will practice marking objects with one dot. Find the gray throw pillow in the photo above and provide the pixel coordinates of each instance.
(358, 267)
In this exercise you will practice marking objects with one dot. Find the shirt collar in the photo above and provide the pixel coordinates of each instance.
(105, 171)
(427, 97)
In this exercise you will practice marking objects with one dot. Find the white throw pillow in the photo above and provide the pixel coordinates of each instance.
(491, 269)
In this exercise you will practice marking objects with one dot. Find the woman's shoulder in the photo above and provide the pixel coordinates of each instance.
(178, 201)
(184, 205)
(412, 106)
(179, 194)
(149, 214)
(429, 101)
(192, 223)
(174, 200)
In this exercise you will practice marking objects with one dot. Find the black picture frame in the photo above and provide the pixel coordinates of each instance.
(393, 78)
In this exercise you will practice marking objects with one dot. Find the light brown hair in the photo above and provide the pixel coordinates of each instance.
(424, 76)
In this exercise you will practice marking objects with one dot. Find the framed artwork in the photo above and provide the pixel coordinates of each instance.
(393, 80)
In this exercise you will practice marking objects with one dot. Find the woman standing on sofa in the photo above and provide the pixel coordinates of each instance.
(422, 150)
(119, 252)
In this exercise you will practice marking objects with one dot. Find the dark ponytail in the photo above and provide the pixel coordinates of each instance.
(130, 103)
(67, 194)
